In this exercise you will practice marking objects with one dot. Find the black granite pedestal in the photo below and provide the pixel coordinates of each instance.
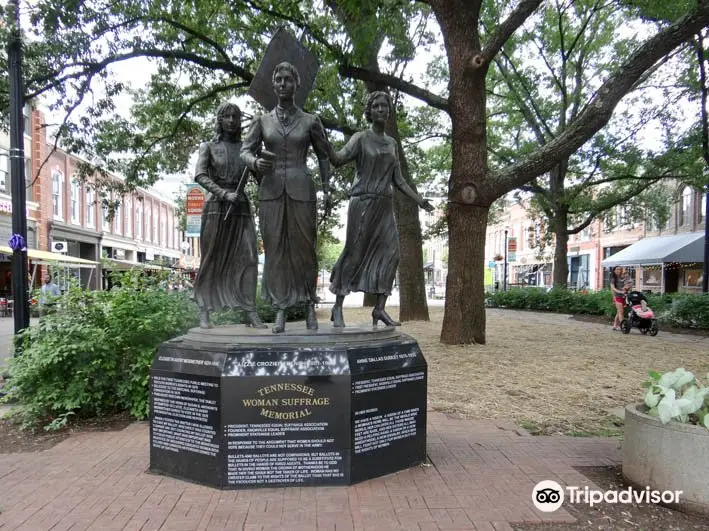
(233, 407)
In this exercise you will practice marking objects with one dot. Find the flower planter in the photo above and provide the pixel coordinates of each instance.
(672, 456)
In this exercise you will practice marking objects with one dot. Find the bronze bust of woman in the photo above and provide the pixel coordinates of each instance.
(287, 197)
(228, 274)
(370, 257)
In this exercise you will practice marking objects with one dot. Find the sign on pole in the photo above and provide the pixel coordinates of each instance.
(193, 209)
(512, 249)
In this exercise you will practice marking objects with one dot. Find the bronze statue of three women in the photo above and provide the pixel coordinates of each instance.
(275, 150)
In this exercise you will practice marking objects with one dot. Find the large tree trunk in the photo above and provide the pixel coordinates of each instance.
(560, 223)
(412, 283)
(561, 236)
(469, 196)
(464, 318)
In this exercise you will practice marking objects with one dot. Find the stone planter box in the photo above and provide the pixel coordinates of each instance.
(670, 456)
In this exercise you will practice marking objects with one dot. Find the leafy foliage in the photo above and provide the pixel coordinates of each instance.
(689, 312)
(92, 356)
(678, 396)
(329, 251)
(660, 11)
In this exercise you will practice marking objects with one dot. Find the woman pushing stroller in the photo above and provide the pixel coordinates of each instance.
(618, 280)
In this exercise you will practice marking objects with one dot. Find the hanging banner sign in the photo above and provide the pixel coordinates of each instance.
(194, 204)
(512, 249)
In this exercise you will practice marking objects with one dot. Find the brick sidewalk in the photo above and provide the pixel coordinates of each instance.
(481, 477)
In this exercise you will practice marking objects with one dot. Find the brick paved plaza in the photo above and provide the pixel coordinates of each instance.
(481, 477)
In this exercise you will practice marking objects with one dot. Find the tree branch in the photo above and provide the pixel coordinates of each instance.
(191, 105)
(529, 108)
(334, 125)
(505, 30)
(609, 203)
(90, 68)
(535, 188)
(214, 44)
(417, 141)
(589, 219)
(600, 109)
(301, 24)
(625, 177)
(397, 83)
(85, 87)
(557, 81)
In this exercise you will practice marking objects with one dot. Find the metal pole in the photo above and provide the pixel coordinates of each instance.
(504, 271)
(17, 168)
(705, 271)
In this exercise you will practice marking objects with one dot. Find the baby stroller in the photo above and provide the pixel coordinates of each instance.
(638, 315)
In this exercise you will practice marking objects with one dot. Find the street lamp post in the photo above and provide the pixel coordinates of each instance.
(20, 277)
(504, 267)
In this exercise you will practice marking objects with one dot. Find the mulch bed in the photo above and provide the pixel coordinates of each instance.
(13, 439)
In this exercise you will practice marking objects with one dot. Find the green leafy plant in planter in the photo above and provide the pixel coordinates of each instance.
(678, 396)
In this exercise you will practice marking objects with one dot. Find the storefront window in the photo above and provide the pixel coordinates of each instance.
(692, 278)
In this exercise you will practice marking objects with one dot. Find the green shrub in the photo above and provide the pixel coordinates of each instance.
(682, 310)
(93, 355)
(688, 311)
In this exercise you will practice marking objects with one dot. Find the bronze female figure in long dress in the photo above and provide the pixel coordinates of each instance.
(228, 274)
(287, 197)
(370, 257)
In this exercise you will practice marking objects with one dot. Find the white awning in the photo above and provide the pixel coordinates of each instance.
(46, 258)
(113, 264)
(682, 248)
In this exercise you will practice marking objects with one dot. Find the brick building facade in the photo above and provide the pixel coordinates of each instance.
(66, 215)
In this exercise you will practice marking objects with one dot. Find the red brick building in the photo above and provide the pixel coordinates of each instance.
(65, 216)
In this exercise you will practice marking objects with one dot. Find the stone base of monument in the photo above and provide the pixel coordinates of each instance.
(234, 407)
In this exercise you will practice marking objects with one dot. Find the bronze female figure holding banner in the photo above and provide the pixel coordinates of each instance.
(227, 276)
(287, 197)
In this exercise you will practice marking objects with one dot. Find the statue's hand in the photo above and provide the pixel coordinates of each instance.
(427, 206)
(264, 165)
(232, 197)
(328, 205)
(327, 199)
